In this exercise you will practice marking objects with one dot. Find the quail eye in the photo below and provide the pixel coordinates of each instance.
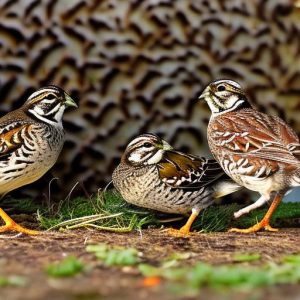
(221, 88)
(51, 97)
(147, 145)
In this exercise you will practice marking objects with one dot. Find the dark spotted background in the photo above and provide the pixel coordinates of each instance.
(138, 66)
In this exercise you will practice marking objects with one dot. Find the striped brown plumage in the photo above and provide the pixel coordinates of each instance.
(31, 139)
(153, 175)
(258, 151)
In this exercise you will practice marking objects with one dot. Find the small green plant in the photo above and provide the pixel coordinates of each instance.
(106, 211)
(114, 256)
(228, 276)
(68, 267)
(292, 259)
(12, 281)
(24, 206)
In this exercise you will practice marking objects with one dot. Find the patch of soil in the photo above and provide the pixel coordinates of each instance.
(28, 256)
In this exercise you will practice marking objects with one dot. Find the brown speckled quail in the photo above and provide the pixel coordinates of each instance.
(31, 139)
(258, 151)
(153, 175)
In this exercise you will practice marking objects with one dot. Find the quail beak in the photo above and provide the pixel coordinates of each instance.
(205, 94)
(69, 101)
(166, 146)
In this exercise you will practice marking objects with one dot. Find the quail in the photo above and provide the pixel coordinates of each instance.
(153, 175)
(31, 139)
(258, 151)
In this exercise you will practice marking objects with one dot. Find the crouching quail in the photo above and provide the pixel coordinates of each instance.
(31, 139)
(258, 151)
(153, 175)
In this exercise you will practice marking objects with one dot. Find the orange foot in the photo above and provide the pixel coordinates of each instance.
(182, 232)
(254, 228)
(11, 225)
(185, 230)
(264, 223)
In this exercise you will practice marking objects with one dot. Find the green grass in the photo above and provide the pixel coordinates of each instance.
(233, 276)
(215, 218)
(68, 267)
(25, 205)
(286, 215)
(108, 211)
(113, 255)
(240, 274)
(13, 280)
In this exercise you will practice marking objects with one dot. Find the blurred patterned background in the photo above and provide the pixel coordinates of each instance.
(138, 66)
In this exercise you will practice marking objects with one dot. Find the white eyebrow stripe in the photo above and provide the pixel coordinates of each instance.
(231, 82)
(136, 140)
(42, 91)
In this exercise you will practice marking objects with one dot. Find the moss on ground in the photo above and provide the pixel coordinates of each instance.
(186, 279)
(109, 211)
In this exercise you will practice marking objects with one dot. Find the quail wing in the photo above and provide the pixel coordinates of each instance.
(181, 170)
(260, 136)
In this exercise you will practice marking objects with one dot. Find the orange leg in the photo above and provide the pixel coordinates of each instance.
(265, 222)
(186, 229)
(11, 225)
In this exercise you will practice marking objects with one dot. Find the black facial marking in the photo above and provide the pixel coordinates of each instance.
(50, 97)
(147, 145)
(221, 88)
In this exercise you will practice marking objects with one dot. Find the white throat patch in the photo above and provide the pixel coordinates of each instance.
(156, 158)
(235, 105)
(39, 114)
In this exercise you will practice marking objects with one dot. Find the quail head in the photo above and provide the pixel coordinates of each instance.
(153, 175)
(31, 139)
(258, 151)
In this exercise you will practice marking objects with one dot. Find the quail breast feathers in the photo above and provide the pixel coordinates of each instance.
(258, 151)
(31, 139)
(153, 175)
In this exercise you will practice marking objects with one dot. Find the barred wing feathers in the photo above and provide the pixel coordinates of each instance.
(181, 170)
(257, 136)
(12, 138)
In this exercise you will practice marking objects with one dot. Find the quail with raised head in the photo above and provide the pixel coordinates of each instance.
(31, 139)
(153, 175)
(258, 151)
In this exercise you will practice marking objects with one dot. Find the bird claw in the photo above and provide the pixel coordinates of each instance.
(255, 228)
(11, 225)
(182, 232)
(18, 228)
(270, 228)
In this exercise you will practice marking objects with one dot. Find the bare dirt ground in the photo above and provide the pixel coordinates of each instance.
(28, 256)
